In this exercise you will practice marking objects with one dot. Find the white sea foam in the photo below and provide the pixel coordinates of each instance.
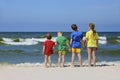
(33, 64)
(30, 64)
(7, 40)
(102, 40)
(118, 37)
(102, 63)
(103, 37)
(43, 39)
(118, 41)
(34, 41)
(109, 63)
(22, 42)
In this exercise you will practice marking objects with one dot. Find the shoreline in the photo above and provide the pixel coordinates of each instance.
(53, 65)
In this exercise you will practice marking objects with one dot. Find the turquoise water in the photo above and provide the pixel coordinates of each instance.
(26, 47)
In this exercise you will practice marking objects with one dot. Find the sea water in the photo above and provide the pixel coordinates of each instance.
(25, 48)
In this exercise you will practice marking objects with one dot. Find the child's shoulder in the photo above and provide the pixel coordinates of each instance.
(48, 41)
(88, 32)
(77, 33)
(51, 40)
(59, 37)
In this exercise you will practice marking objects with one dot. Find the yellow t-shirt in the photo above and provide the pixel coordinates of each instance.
(91, 39)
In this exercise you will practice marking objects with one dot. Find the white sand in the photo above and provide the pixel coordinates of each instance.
(67, 73)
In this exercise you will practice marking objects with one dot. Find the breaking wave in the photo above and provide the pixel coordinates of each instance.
(35, 41)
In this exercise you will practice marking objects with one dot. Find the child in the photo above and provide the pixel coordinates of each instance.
(62, 42)
(76, 39)
(92, 43)
(48, 49)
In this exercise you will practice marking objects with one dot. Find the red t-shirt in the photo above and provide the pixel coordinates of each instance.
(48, 47)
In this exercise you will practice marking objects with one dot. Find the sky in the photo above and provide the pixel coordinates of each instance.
(58, 15)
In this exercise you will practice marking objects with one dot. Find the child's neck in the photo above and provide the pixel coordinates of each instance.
(76, 31)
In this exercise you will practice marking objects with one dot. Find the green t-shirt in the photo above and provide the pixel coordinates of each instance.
(62, 43)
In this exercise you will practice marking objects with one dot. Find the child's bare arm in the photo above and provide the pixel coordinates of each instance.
(69, 48)
(71, 42)
(97, 43)
(83, 43)
(54, 49)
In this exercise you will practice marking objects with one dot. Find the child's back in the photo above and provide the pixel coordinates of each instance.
(48, 50)
(76, 38)
(49, 44)
(62, 42)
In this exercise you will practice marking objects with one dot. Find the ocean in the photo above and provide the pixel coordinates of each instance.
(25, 48)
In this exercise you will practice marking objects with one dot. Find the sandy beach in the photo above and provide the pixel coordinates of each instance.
(56, 73)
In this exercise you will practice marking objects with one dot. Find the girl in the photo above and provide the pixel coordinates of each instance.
(92, 43)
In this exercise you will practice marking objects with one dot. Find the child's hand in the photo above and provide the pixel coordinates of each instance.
(69, 49)
(96, 48)
(84, 47)
(54, 51)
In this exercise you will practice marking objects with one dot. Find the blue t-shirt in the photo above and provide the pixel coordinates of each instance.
(76, 38)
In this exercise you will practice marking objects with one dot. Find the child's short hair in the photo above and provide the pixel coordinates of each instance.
(48, 36)
(59, 32)
(74, 27)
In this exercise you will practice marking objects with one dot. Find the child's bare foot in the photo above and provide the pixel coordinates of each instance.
(46, 66)
(94, 65)
(89, 65)
(59, 65)
(72, 65)
(50, 66)
(62, 66)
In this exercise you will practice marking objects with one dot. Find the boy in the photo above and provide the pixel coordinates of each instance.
(48, 49)
(62, 43)
(76, 39)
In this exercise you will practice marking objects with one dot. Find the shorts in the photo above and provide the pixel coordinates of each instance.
(92, 48)
(62, 52)
(76, 50)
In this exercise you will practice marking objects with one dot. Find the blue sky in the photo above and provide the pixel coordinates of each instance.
(58, 15)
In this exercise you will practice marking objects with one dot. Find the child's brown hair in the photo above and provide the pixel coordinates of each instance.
(48, 36)
(74, 27)
(92, 26)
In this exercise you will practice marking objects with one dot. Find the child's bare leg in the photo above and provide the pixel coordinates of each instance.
(80, 59)
(73, 57)
(46, 61)
(50, 60)
(89, 56)
(59, 59)
(63, 60)
(94, 56)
